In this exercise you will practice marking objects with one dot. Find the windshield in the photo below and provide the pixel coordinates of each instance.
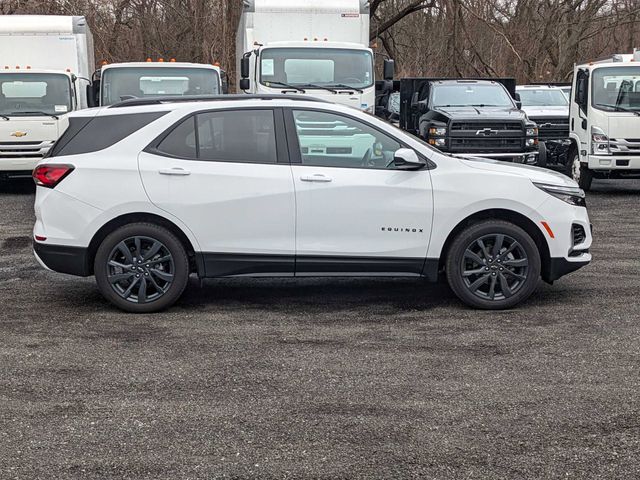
(531, 97)
(143, 82)
(325, 67)
(31, 94)
(616, 88)
(464, 95)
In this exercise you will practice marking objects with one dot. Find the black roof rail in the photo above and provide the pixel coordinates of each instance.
(135, 102)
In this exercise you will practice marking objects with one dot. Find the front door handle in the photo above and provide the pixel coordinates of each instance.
(174, 171)
(318, 177)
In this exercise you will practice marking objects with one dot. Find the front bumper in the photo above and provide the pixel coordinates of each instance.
(63, 259)
(620, 163)
(526, 158)
(559, 267)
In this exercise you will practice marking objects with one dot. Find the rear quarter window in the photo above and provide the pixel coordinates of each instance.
(92, 134)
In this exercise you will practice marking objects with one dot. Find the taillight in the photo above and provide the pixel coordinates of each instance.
(51, 175)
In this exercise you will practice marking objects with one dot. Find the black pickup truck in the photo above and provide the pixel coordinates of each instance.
(479, 117)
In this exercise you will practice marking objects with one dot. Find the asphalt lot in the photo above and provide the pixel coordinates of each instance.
(323, 378)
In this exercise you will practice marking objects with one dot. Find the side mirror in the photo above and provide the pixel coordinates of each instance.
(224, 80)
(245, 84)
(519, 104)
(93, 93)
(245, 67)
(389, 69)
(407, 159)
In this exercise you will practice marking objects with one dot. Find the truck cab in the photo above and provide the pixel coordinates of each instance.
(548, 106)
(474, 117)
(319, 48)
(116, 82)
(605, 120)
(44, 69)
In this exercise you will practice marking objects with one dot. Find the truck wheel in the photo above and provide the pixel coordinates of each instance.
(542, 155)
(493, 265)
(141, 268)
(579, 171)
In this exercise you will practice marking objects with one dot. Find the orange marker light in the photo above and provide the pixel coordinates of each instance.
(104, 62)
(161, 60)
(173, 60)
(548, 229)
(149, 59)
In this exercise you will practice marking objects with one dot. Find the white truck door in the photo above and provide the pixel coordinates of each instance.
(224, 175)
(356, 213)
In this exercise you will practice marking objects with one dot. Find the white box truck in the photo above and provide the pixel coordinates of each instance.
(45, 65)
(116, 82)
(313, 47)
(604, 119)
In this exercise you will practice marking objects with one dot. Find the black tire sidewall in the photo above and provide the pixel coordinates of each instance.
(475, 231)
(175, 247)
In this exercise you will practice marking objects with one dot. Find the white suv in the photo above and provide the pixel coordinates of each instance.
(143, 193)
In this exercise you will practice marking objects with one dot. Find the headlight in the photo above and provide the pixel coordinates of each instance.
(571, 195)
(532, 142)
(532, 131)
(599, 142)
(438, 131)
(438, 142)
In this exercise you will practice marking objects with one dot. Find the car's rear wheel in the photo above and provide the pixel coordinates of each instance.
(493, 265)
(141, 268)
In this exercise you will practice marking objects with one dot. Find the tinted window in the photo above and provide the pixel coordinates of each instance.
(102, 132)
(229, 136)
(240, 136)
(181, 141)
(331, 140)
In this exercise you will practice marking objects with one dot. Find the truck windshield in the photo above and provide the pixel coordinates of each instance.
(121, 83)
(616, 89)
(465, 95)
(32, 94)
(325, 67)
(531, 97)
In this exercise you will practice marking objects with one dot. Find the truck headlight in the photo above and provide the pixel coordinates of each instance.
(572, 195)
(599, 142)
(438, 131)
(438, 142)
(532, 142)
(532, 131)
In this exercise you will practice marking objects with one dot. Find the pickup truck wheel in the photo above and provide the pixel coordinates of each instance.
(493, 265)
(579, 171)
(141, 268)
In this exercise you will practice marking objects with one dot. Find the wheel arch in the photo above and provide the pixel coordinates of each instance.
(507, 215)
(141, 217)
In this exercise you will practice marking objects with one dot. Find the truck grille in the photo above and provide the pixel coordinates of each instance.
(486, 137)
(552, 128)
(625, 146)
(24, 149)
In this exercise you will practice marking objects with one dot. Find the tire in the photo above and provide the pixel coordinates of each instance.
(486, 284)
(542, 155)
(120, 274)
(578, 171)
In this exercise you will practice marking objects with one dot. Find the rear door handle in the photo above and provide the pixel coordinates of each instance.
(174, 171)
(318, 177)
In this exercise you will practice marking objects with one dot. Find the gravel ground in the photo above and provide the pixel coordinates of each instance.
(323, 378)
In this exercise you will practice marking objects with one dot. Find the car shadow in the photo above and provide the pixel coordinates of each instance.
(22, 186)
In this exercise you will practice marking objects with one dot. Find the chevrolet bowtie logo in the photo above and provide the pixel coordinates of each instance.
(19, 134)
(485, 132)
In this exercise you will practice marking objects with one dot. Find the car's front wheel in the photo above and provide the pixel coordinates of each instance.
(141, 268)
(493, 265)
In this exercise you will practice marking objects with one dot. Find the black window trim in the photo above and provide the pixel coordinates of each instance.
(282, 154)
(293, 144)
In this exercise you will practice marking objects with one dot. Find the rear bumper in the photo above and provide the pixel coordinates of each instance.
(63, 259)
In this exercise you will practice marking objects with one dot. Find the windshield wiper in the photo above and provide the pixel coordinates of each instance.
(346, 87)
(36, 112)
(320, 87)
(5, 117)
(618, 108)
(282, 84)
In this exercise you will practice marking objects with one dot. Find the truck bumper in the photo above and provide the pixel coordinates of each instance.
(613, 163)
(527, 158)
(12, 167)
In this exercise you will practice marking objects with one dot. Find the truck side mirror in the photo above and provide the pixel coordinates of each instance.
(582, 90)
(245, 68)
(93, 90)
(245, 84)
(519, 104)
(224, 80)
(389, 69)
